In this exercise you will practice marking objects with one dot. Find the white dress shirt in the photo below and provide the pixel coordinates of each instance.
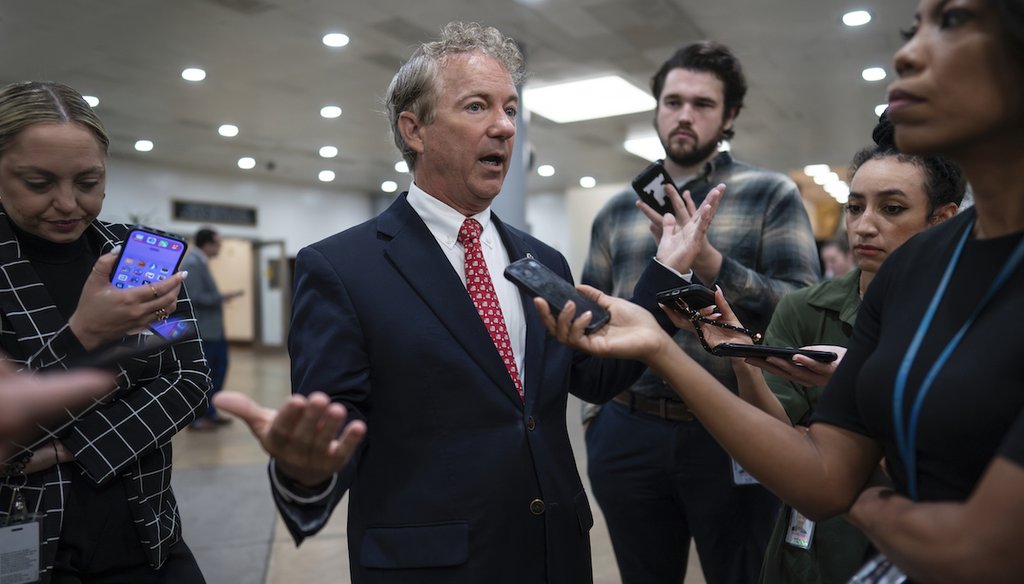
(444, 223)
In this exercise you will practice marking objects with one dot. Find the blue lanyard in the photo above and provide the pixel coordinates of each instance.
(906, 434)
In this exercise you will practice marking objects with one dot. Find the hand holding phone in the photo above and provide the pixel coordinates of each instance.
(147, 256)
(650, 187)
(536, 279)
(690, 297)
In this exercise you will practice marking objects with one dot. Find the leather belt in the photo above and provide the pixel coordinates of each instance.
(659, 407)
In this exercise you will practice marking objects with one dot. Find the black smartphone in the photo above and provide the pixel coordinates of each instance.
(649, 186)
(538, 280)
(692, 296)
(175, 328)
(762, 351)
(112, 355)
(147, 256)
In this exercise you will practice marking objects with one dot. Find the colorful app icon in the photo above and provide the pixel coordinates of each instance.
(129, 261)
(122, 277)
(175, 246)
(139, 237)
(119, 284)
(164, 270)
(150, 275)
(151, 240)
(162, 243)
(142, 264)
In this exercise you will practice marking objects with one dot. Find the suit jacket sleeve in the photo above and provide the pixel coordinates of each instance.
(323, 322)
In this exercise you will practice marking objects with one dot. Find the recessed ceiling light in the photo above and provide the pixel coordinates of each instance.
(873, 74)
(328, 151)
(335, 39)
(646, 147)
(546, 170)
(246, 163)
(193, 74)
(228, 130)
(144, 145)
(857, 18)
(91, 100)
(881, 108)
(813, 170)
(326, 175)
(330, 112)
(402, 166)
(588, 182)
(389, 186)
(587, 100)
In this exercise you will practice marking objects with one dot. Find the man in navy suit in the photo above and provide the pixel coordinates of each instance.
(457, 461)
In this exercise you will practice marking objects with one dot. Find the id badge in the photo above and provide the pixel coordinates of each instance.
(800, 530)
(19, 551)
(879, 570)
(740, 476)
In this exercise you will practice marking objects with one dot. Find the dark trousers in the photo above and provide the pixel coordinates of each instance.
(217, 358)
(661, 482)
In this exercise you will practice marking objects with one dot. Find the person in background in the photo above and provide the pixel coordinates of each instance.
(457, 463)
(657, 474)
(208, 303)
(837, 257)
(931, 380)
(893, 197)
(100, 481)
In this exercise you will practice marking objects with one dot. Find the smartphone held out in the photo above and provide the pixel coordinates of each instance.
(536, 279)
(650, 187)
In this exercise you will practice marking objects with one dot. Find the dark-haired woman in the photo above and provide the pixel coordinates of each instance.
(100, 485)
(892, 198)
(933, 376)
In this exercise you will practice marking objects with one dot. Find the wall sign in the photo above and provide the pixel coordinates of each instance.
(213, 213)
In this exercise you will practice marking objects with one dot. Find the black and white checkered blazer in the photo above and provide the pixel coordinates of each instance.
(126, 438)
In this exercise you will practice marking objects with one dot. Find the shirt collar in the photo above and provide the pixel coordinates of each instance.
(443, 221)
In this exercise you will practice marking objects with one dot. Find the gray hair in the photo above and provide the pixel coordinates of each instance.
(415, 87)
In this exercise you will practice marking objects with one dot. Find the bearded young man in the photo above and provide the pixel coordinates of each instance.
(657, 474)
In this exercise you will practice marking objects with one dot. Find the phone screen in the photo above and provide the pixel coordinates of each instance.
(174, 328)
(147, 256)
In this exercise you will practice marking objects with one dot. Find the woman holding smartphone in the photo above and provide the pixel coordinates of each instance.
(932, 377)
(99, 485)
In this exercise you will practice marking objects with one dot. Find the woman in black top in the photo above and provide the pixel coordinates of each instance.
(100, 481)
(933, 379)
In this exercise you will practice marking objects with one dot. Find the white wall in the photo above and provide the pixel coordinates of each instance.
(582, 206)
(296, 214)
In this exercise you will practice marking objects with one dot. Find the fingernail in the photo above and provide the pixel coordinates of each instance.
(116, 249)
(184, 274)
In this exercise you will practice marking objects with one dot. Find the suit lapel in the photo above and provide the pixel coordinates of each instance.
(414, 252)
(519, 248)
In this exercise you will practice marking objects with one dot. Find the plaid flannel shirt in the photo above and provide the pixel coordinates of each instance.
(761, 228)
(127, 437)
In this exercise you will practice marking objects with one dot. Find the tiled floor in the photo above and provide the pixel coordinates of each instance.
(230, 521)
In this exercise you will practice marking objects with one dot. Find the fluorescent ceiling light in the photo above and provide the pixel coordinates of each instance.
(91, 100)
(826, 178)
(857, 18)
(328, 151)
(330, 112)
(401, 166)
(589, 99)
(646, 147)
(246, 163)
(588, 182)
(228, 130)
(389, 186)
(881, 108)
(873, 74)
(326, 175)
(546, 170)
(144, 145)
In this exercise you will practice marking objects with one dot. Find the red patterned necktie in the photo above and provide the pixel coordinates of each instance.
(485, 299)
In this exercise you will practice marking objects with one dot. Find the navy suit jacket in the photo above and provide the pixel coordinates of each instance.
(457, 480)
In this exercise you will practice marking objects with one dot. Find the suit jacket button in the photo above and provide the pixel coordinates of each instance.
(537, 507)
(531, 423)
